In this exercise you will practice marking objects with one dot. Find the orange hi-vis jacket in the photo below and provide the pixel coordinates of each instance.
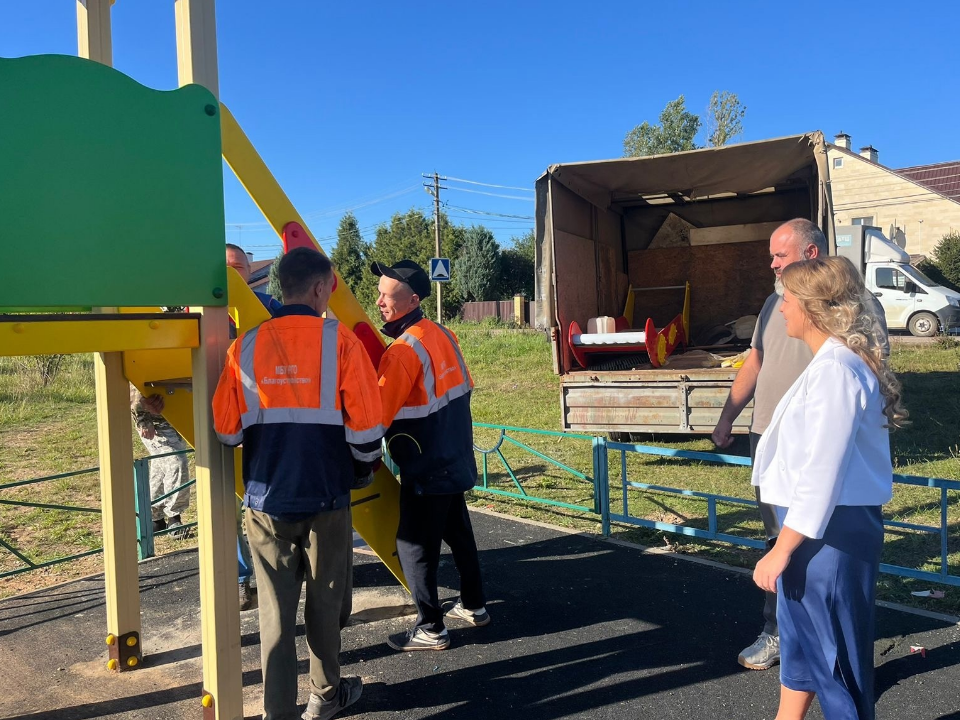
(301, 394)
(425, 388)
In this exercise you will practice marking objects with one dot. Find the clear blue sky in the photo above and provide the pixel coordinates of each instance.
(349, 103)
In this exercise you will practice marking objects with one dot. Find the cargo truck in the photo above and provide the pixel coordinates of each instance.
(619, 242)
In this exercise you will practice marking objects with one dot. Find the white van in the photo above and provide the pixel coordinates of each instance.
(911, 300)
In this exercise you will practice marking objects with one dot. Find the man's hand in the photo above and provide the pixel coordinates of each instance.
(770, 567)
(152, 404)
(722, 434)
(147, 432)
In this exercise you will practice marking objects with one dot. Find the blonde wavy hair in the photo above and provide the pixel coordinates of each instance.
(833, 299)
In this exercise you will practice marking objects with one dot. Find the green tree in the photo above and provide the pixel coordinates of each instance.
(675, 133)
(946, 256)
(273, 283)
(478, 265)
(350, 253)
(517, 267)
(724, 119)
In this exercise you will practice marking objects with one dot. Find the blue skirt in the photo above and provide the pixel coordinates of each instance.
(826, 613)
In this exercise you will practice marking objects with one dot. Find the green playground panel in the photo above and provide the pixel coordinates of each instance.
(111, 193)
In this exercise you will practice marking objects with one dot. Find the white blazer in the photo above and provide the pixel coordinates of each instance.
(826, 444)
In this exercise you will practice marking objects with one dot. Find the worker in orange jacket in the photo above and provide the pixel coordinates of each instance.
(425, 389)
(299, 391)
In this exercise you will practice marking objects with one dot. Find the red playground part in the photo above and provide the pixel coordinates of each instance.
(370, 340)
(295, 236)
(660, 345)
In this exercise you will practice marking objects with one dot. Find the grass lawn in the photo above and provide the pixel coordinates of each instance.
(50, 430)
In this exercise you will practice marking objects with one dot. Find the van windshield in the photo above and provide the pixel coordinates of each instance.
(918, 276)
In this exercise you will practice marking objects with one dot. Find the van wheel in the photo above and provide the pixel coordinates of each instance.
(923, 325)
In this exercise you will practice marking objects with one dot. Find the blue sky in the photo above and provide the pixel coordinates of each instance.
(349, 103)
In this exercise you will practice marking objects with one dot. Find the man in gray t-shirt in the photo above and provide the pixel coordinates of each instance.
(772, 366)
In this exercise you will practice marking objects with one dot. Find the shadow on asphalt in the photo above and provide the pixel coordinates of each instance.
(578, 625)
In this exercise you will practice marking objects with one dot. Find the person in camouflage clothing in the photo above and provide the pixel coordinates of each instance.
(167, 473)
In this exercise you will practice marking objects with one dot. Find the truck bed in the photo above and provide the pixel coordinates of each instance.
(666, 400)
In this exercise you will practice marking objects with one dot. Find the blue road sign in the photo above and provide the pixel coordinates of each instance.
(439, 269)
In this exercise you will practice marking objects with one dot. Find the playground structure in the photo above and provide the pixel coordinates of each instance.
(111, 199)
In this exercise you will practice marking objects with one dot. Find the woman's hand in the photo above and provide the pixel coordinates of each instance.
(770, 567)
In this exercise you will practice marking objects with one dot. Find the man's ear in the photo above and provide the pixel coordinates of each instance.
(812, 252)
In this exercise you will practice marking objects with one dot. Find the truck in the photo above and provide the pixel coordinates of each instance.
(666, 238)
(911, 300)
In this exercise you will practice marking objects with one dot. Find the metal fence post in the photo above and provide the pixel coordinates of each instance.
(601, 478)
(141, 479)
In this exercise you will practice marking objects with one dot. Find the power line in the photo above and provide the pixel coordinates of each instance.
(482, 192)
(474, 182)
(484, 212)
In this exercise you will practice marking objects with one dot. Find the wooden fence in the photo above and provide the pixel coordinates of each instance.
(503, 310)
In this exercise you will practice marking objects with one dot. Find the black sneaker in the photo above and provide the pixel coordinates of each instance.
(159, 525)
(178, 532)
(347, 694)
(419, 639)
(248, 596)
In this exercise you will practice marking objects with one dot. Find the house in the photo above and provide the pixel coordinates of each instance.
(260, 275)
(914, 206)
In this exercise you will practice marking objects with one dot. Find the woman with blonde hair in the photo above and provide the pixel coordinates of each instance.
(824, 461)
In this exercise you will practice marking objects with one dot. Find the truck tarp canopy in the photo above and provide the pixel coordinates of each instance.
(743, 168)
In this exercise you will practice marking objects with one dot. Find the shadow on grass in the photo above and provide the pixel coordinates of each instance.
(930, 435)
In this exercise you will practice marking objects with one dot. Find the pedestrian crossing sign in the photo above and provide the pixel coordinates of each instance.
(439, 269)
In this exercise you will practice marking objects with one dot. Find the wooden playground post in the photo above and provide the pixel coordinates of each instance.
(119, 515)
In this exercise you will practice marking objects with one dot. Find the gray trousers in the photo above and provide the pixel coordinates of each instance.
(771, 527)
(168, 473)
(318, 550)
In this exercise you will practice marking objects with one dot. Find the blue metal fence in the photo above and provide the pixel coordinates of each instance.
(597, 485)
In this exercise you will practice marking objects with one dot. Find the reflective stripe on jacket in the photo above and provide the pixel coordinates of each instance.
(301, 395)
(425, 388)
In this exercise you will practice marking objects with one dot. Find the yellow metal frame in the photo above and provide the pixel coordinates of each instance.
(27, 335)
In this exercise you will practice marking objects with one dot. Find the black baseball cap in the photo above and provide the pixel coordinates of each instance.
(406, 271)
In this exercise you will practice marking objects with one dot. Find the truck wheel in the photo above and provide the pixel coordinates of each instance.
(923, 325)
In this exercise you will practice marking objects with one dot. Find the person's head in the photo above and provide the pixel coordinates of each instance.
(401, 288)
(793, 241)
(826, 296)
(306, 278)
(238, 260)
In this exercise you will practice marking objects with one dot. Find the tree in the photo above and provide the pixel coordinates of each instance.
(273, 284)
(947, 257)
(517, 267)
(724, 118)
(675, 133)
(350, 253)
(478, 265)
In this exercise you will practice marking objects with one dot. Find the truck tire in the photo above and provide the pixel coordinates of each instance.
(923, 324)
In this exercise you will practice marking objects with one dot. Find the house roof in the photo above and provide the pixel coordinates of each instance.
(259, 270)
(941, 171)
(943, 178)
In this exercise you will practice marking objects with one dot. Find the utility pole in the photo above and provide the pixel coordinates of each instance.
(434, 190)
(436, 231)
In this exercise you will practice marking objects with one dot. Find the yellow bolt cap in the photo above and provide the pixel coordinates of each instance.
(154, 325)
(112, 664)
(111, 639)
(207, 700)
(131, 641)
(18, 328)
(132, 662)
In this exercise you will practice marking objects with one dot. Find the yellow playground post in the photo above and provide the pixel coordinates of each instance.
(122, 177)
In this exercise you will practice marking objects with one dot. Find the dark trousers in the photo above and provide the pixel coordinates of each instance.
(426, 521)
(771, 528)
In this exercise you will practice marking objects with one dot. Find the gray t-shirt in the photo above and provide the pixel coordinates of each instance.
(784, 359)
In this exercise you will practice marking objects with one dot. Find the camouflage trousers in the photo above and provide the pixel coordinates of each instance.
(168, 473)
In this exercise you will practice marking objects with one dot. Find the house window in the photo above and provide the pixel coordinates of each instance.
(868, 220)
(837, 163)
(890, 279)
